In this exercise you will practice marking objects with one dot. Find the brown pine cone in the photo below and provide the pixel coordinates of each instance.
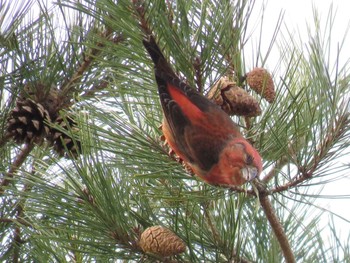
(260, 80)
(161, 241)
(61, 139)
(27, 122)
(233, 99)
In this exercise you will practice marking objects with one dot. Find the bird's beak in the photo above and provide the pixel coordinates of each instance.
(249, 173)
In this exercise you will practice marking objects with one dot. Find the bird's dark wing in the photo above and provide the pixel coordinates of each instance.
(186, 112)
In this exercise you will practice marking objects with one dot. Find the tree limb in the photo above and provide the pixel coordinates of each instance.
(5, 139)
(274, 223)
(21, 157)
(68, 87)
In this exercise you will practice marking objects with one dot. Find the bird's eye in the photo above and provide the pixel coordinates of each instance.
(249, 159)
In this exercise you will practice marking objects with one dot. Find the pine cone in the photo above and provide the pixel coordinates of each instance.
(260, 80)
(26, 122)
(233, 99)
(161, 241)
(48, 96)
(62, 141)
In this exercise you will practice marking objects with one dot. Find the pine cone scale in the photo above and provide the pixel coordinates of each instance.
(26, 122)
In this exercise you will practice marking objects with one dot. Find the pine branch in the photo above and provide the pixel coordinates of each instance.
(275, 170)
(16, 245)
(139, 6)
(96, 88)
(21, 157)
(238, 189)
(235, 257)
(15, 221)
(274, 222)
(198, 74)
(17, 238)
(5, 139)
(306, 172)
(89, 57)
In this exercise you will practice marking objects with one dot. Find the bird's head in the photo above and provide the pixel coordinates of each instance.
(239, 162)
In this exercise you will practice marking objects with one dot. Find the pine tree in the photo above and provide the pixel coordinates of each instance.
(85, 175)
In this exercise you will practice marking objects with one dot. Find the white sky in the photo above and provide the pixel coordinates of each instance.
(299, 13)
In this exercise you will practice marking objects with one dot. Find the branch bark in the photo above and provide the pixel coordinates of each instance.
(21, 157)
(274, 223)
(5, 139)
(89, 57)
(275, 170)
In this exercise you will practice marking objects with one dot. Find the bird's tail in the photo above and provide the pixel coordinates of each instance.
(161, 66)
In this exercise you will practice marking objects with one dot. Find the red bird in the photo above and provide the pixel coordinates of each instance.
(200, 132)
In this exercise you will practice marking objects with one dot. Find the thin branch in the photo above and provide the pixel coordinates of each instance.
(15, 221)
(275, 170)
(212, 227)
(69, 86)
(238, 189)
(88, 59)
(198, 74)
(140, 10)
(217, 237)
(21, 157)
(4, 139)
(17, 242)
(17, 239)
(96, 88)
(307, 172)
(274, 222)
(296, 181)
(231, 67)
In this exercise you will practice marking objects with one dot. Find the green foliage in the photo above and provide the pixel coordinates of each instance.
(94, 207)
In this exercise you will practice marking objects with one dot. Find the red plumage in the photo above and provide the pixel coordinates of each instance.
(199, 132)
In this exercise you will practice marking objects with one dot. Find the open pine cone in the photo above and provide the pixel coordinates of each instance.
(27, 122)
(61, 140)
(47, 96)
(233, 99)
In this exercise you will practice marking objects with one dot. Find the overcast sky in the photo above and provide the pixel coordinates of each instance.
(297, 14)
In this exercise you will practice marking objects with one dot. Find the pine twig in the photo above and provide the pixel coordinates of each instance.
(101, 86)
(88, 59)
(21, 157)
(238, 189)
(218, 239)
(198, 74)
(307, 172)
(140, 10)
(68, 87)
(16, 221)
(17, 239)
(274, 222)
(275, 170)
(248, 124)
(4, 139)
(212, 227)
(17, 243)
(231, 67)
(298, 180)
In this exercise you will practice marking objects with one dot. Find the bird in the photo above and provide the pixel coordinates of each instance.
(199, 131)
